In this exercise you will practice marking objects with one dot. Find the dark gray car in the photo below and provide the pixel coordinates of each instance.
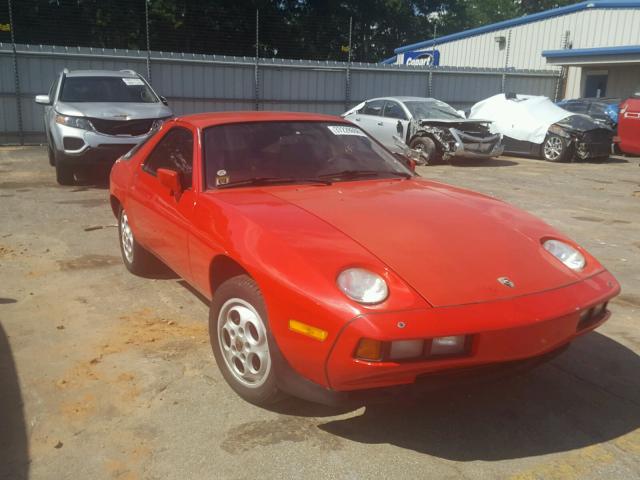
(95, 116)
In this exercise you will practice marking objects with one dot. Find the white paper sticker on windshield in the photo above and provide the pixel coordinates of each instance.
(132, 81)
(344, 130)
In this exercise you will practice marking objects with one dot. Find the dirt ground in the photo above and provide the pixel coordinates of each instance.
(104, 375)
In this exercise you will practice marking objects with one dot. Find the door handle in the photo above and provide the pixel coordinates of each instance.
(357, 119)
(380, 123)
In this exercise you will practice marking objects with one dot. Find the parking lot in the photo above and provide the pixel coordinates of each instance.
(108, 375)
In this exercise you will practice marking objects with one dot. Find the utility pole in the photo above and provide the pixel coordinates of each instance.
(16, 77)
(433, 56)
(146, 19)
(347, 95)
(256, 73)
(506, 63)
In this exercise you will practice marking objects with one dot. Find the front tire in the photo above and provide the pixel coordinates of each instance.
(427, 148)
(65, 174)
(554, 149)
(240, 339)
(136, 258)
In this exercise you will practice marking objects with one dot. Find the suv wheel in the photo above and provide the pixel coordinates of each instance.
(64, 174)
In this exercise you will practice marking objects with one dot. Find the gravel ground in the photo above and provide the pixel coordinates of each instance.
(104, 375)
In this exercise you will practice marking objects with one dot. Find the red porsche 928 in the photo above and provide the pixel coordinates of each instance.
(333, 269)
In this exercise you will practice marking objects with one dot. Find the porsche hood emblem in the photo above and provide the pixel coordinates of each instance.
(506, 282)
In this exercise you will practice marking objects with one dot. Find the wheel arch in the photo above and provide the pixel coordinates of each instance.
(221, 268)
(422, 134)
(115, 205)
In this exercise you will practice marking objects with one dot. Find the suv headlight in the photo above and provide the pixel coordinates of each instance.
(363, 286)
(564, 252)
(75, 122)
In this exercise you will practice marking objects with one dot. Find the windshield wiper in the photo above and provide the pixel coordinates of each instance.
(272, 181)
(349, 174)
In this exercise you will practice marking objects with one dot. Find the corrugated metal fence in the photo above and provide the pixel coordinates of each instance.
(199, 83)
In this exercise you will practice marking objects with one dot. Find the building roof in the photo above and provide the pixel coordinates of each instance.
(535, 17)
(592, 52)
(627, 54)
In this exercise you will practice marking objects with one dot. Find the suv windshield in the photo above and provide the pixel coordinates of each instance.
(293, 152)
(431, 110)
(106, 89)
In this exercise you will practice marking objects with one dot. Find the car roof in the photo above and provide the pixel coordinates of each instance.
(204, 120)
(404, 99)
(102, 73)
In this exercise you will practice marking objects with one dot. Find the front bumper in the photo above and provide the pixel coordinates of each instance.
(471, 146)
(503, 331)
(86, 145)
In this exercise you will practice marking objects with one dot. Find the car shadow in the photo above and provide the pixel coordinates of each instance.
(587, 395)
(14, 448)
(480, 162)
(611, 159)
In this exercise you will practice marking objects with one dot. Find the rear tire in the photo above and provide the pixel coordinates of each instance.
(554, 149)
(241, 341)
(136, 258)
(65, 174)
(427, 147)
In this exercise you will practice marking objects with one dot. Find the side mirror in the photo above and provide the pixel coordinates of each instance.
(164, 100)
(462, 113)
(399, 128)
(43, 100)
(408, 162)
(170, 179)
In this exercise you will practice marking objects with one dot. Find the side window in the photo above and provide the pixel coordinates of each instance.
(394, 110)
(173, 152)
(54, 87)
(373, 108)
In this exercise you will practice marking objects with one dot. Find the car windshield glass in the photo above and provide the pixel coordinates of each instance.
(431, 110)
(290, 150)
(106, 89)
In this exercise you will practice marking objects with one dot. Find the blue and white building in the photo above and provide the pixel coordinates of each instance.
(598, 43)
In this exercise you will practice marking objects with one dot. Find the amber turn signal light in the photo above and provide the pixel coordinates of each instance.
(369, 350)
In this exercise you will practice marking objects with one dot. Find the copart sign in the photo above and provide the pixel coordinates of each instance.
(429, 58)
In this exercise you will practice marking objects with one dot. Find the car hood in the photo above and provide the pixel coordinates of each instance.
(114, 111)
(448, 244)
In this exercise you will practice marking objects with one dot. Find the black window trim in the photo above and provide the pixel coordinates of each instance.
(147, 170)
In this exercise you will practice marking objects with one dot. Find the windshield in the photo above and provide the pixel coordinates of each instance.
(431, 110)
(106, 89)
(236, 153)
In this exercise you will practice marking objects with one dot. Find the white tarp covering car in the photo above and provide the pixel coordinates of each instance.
(534, 125)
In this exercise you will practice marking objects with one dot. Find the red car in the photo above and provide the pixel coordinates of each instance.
(332, 268)
(628, 138)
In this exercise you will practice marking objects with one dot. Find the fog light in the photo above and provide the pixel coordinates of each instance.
(448, 345)
(369, 349)
(401, 349)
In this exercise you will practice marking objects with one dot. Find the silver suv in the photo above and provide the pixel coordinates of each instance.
(95, 116)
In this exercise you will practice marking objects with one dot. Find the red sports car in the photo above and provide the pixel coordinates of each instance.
(333, 269)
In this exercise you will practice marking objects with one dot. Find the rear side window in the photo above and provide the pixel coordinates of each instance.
(394, 110)
(106, 89)
(173, 152)
(373, 108)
